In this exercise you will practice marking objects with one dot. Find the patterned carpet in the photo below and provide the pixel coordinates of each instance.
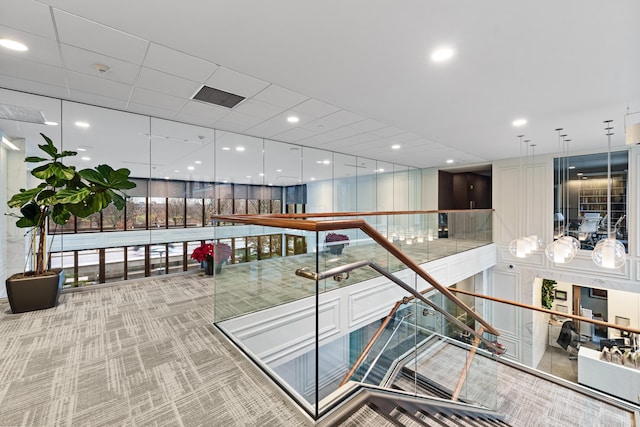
(136, 354)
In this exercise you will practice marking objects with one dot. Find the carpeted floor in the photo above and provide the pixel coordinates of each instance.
(137, 353)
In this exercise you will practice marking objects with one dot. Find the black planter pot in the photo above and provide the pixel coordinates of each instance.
(209, 268)
(30, 293)
(336, 249)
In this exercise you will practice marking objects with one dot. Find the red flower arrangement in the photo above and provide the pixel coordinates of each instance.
(209, 252)
(337, 238)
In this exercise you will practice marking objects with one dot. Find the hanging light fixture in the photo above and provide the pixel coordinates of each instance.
(565, 248)
(535, 243)
(521, 246)
(609, 252)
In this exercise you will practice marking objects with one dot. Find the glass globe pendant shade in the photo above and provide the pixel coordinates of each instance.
(609, 253)
(563, 250)
(520, 248)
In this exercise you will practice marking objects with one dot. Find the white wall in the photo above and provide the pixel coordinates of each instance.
(520, 210)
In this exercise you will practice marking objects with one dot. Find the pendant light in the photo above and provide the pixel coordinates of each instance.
(609, 252)
(565, 248)
(521, 246)
(534, 242)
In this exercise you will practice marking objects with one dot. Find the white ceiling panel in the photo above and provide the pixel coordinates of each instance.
(210, 113)
(257, 108)
(29, 70)
(85, 61)
(29, 16)
(236, 83)
(33, 87)
(150, 110)
(157, 99)
(295, 135)
(387, 132)
(280, 97)
(367, 125)
(83, 33)
(166, 83)
(171, 61)
(343, 132)
(98, 86)
(271, 127)
(242, 119)
(316, 109)
(93, 99)
(41, 49)
(334, 120)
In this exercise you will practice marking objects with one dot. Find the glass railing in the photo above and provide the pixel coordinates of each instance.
(306, 318)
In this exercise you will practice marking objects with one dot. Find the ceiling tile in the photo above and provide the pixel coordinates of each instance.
(270, 128)
(33, 87)
(234, 82)
(201, 109)
(343, 132)
(242, 119)
(166, 83)
(280, 97)
(97, 85)
(179, 64)
(29, 70)
(230, 127)
(315, 108)
(103, 101)
(156, 99)
(151, 110)
(28, 16)
(41, 49)
(367, 125)
(294, 135)
(258, 108)
(388, 131)
(84, 61)
(92, 36)
(334, 120)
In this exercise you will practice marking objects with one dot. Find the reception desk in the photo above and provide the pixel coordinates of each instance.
(608, 377)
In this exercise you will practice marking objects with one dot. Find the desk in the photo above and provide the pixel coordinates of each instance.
(611, 378)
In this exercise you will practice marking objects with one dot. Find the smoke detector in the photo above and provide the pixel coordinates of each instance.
(102, 68)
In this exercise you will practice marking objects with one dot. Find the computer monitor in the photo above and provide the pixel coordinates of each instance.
(624, 322)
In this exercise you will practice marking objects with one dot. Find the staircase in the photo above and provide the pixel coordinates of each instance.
(379, 408)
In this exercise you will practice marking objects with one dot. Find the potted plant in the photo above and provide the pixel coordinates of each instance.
(63, 191)
(214, 255)
(336, 242)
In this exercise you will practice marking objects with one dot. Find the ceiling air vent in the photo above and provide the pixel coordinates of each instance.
(218, 97)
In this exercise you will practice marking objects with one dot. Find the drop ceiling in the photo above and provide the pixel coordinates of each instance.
(358, 74)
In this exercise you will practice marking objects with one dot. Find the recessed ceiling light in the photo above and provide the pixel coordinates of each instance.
(572, 167)
(248, 176)
(313, 179)
(166, 177)
(51, 123)
(293, 119)
(442, 54)
(278, 170)
(13, 45)
(261, 174)
(86, 159)
(82, 124)
(198, 162)
(190, 168)
(381, 170)
(226, 148)
(395, 146)
(519, 122)
(225, 181)
(81, 149)
(580, 174)
(449, 161)
(239, 148)
(326, 162)
(176, 171)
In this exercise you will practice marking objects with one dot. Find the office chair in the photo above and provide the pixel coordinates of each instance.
(569, 338)
(587, 230)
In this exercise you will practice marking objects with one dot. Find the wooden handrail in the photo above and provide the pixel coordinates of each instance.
(271, 221)
(544, 310)
(370, 344)
(467, 365)
(356, 214)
